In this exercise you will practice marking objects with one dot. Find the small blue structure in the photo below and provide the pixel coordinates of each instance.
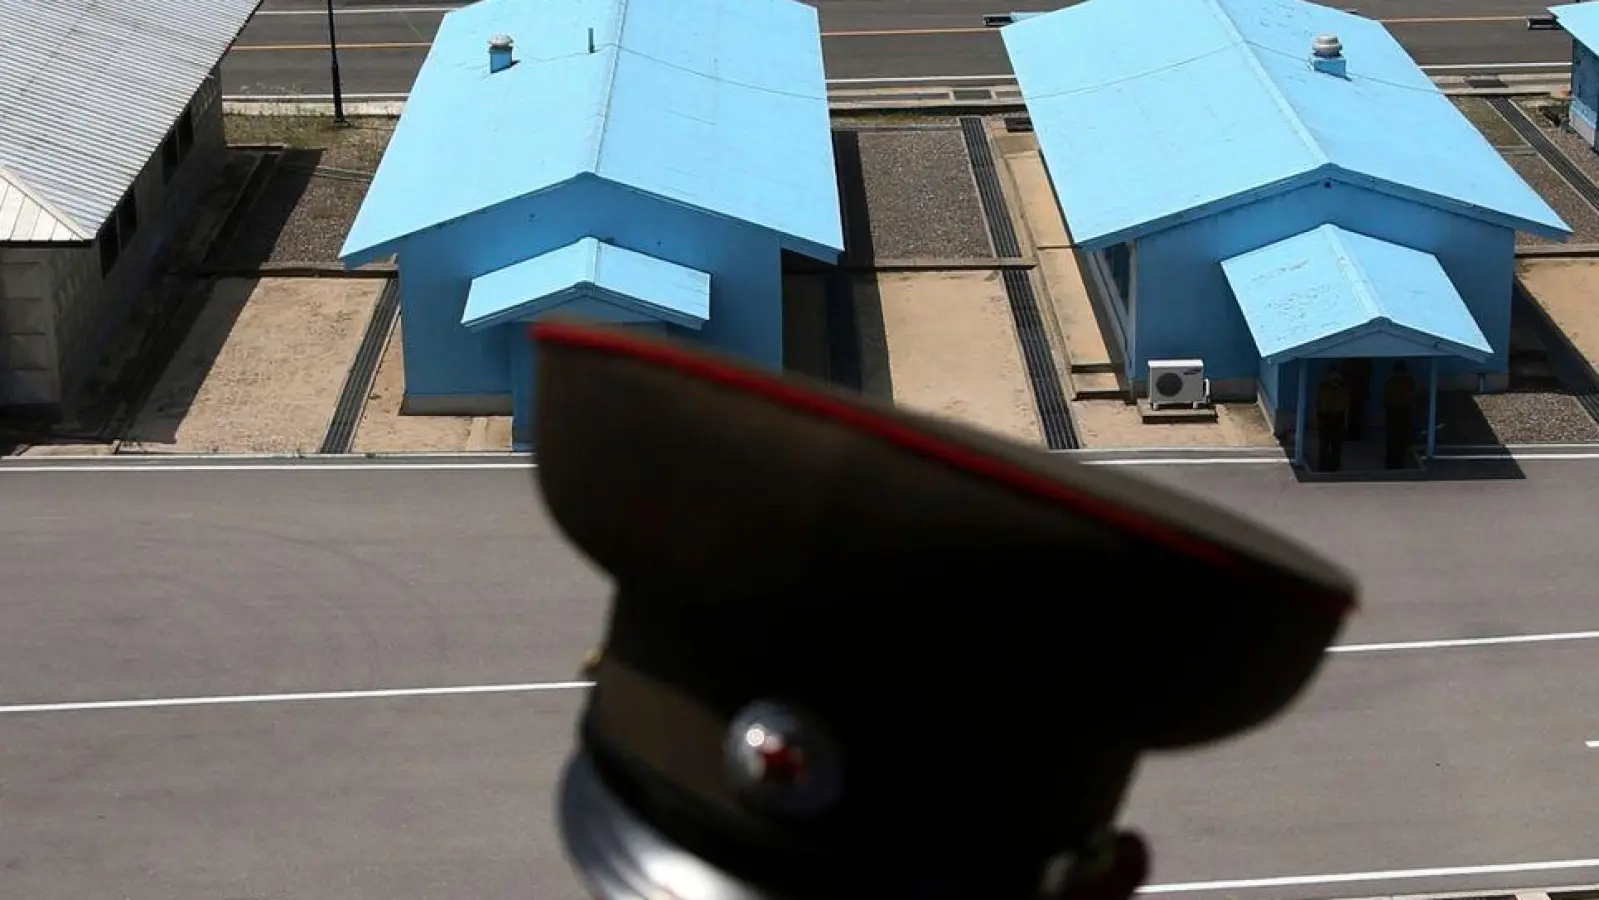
(644, 162)
(1581, 21)
(1271, 185)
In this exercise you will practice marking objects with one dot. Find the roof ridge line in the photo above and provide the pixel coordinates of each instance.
(16, 180)
(1359, 278)
(610, 84)
(592, 264)
(1278, 97)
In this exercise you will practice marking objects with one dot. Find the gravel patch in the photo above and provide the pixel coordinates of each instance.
(1582, 218)
(1570, 145)
(920, 195)
(319, 219)
(306, 208)
(1573, 148)
(1526, 416)
(1488, 121)
(358, 147)
(296, 217)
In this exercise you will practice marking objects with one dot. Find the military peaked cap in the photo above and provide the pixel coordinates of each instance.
(856, 652)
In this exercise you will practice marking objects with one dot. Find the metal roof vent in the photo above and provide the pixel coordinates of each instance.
(500, 53)
(1327, 55)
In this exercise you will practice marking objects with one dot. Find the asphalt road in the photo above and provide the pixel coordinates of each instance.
(174, 584)
(284, 51)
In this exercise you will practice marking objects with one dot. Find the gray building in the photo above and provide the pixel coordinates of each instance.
(110, 129)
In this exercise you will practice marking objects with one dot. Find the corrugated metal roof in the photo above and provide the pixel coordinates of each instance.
(1329, 286)
(717, 104)
(641, 286)
(89, 89)
(1581, 21)
(1151, 112)
(27, 217)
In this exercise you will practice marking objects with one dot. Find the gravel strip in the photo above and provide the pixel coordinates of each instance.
(296, 217)
(319, 221)
(1582, 218)
(358, 147)
(300, 216)
(1535, 417)
(1488, 121)
(1572, 147)
(920, 195)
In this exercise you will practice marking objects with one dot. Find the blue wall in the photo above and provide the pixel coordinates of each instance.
(444, 359)
(1184, 307)
(1584, 91)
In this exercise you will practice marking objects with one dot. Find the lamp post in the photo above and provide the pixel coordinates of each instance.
(333, 53)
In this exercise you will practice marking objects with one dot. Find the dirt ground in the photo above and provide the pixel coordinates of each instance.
(944, 344)
(262, 369)
(1112, 423)
(1566, 289)
(384, 430)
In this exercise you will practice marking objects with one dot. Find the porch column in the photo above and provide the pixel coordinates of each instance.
(1432, 408)
(1299, 414)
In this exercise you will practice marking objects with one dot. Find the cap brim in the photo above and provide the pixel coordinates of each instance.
(620, 857)
(1229, 624)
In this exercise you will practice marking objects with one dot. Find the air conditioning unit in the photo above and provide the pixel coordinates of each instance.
(1178, 382)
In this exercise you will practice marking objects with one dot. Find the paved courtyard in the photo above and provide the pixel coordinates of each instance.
(217, 579)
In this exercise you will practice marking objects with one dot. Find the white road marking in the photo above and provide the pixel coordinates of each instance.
(923, 79)
(1356, 877)
(8, 468)
(1593, 745)
(64, 464)
(381, 11)
(312, 98)
(1495, 67)
(233, 700)
(1458, 643)
(547, 686)
(1191, 461)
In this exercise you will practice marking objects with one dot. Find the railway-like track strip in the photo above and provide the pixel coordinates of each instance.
(1049, 394)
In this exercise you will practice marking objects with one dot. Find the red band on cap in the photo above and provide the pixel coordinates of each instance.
(913, 440)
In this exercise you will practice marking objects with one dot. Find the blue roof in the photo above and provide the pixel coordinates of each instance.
(1328, 291)
(635, 288)
(1581, 21)
(717, 104)
(1150, 119)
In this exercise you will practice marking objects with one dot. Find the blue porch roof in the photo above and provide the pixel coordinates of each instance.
(1332, 293)
(719, 105)
(1581, 21)
(593, 280)
(1150, 114)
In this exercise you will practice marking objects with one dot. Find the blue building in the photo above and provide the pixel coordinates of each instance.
(1272, 185)
(1581, 21)
(636, 161)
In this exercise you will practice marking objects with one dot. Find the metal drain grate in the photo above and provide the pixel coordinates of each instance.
(1053, 410)
(358, 384)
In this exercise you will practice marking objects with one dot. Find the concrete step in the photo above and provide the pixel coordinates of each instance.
(1094, 368)
(1096, 386)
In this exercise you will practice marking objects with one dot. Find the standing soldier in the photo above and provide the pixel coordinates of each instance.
(1399, 404)
(1359, 376)
(1332, 421)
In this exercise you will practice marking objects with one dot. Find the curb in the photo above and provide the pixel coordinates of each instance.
(978, 100)
(1558, 251)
